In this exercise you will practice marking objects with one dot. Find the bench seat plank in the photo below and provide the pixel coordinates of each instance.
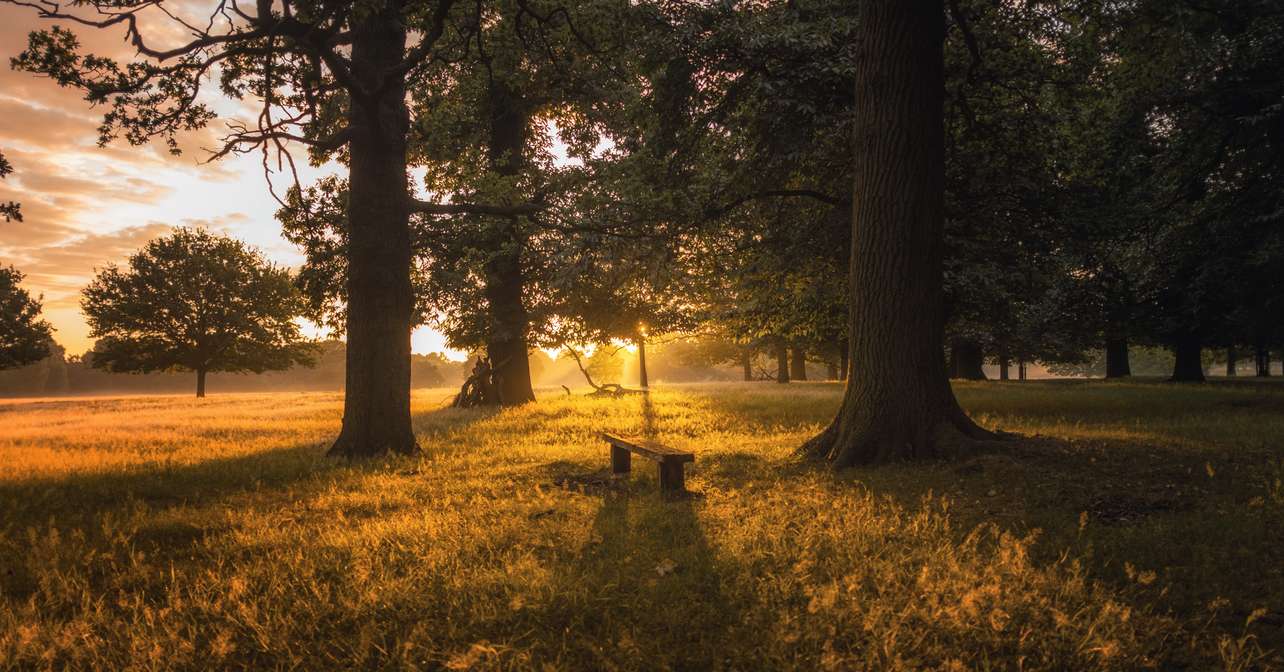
(651, 450)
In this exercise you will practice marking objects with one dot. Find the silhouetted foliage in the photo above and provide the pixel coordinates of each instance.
(195, 301)
(24, 337)
(8, 209)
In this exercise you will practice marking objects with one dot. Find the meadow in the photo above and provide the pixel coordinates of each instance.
(1126, 526)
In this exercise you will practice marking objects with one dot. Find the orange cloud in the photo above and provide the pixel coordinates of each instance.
(86, 206)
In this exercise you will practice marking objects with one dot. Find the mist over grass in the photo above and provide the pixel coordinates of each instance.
(1133, 525)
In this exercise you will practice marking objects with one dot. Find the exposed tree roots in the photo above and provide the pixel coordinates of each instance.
(348, 448)
(480, 388)
(866, 438)
(484, 387)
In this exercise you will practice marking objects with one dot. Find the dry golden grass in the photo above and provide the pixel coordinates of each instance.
(171, 533)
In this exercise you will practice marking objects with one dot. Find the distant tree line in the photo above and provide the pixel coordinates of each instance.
(61, 374)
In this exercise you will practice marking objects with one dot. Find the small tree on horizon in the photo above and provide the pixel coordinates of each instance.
(199, 302)
(24, 337)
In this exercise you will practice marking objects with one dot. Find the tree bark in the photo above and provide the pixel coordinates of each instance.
(901, 406)
(508, 322)
(746, 363)
(642, 377)
(1021, 370)
(798, 365)
(966, 359)
(782, 362)
(505, 283)
(200, 383)
(834, 369)
(1117, 365)
(376, 406)
(1232, 362)
(1263, 361)
(1188, 367)
(1004, 363)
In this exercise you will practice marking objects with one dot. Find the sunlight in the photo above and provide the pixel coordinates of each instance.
(889, 335)
(425, 340)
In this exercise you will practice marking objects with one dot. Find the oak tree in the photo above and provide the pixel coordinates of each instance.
(328, 75)
(900, 404)
(198, 302)
(24, 337)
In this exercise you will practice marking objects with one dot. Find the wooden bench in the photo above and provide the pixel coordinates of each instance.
(671, 461)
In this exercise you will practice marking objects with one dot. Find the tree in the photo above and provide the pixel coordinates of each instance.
(1201, 82)
(8, 209)
(24, 337)
(331, 76)
(764, 157)
(199, 302)
(899, 405)
(485, 134)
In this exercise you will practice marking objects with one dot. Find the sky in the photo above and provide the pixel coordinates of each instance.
(85, 207)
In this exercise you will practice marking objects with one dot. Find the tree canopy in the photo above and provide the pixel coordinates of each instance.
(195, 301)
(10, 210)
(24, 337)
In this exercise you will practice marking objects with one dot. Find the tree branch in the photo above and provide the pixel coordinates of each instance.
(836, 201)
(422, 51)
(429, 208)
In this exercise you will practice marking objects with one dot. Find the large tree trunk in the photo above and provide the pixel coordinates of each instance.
(798, 364)
(1262, 358)
(506, 337)
(1005, 362)
(376, 405)
(901, 406)
(505, 284)
(746, 363)
(1117, 365)
(1232, 362)
(200, 383)
(782, 362)
(966, 359)
(1188, 367)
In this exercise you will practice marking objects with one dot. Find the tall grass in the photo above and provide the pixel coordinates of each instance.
(1131, 529)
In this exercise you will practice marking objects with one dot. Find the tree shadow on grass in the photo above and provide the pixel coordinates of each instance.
(161, 509)
(159, 484)
(80, 502)
(649, 417)
(440, 427)
(646, 586)
(761, 409)
(1118, 504)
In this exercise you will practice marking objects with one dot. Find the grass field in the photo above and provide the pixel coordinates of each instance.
(1133, 525)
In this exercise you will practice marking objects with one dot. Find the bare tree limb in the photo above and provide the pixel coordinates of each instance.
(836, 201)
(429, 208)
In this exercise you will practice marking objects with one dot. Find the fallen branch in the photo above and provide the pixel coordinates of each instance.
(604, 390)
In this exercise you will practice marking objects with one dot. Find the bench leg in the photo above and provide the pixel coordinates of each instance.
(621, 461)
(671, 477)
